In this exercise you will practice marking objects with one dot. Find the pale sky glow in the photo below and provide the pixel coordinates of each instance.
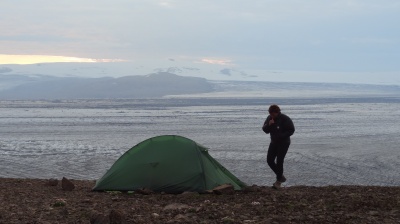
(216, 61)
(344, 36)
(35, 59)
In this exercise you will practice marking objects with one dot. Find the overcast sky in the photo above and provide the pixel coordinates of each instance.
(313, 35)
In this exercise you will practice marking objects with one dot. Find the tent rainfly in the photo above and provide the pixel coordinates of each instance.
(166, 163)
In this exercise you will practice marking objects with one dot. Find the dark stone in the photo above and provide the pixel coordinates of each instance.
(67, 185)
(116, 217)
(144, 191)
(98, 218)
(52, 182)
(253, 188)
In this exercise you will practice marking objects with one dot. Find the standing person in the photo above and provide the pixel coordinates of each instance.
(280, 127)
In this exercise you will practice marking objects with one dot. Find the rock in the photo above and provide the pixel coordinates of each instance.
(86, 201)
(116, 217)
(116, 199)
(224, 189)
(182, 218)
(253, 188)
(64, 212)
(373, 213)
(144, 191)
(227, 220)
(189, 194)
(67, 185)
(97, 218)
(176, 206)
(52, 182)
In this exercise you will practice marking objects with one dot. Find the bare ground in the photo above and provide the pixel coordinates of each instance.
(34, 201)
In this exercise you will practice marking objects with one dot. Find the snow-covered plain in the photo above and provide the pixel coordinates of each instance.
(338, 141)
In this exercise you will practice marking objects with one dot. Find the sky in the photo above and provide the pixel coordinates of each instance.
(289, 40)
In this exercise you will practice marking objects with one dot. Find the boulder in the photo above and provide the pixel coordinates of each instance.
(67, 185)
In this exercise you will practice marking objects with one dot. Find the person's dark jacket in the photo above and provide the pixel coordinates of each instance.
(281, 130)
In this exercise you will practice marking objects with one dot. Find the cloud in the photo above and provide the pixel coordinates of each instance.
(106, 60)
(261, 34)
(226, 71)
(216, 61)
(166, 4)
(35, 59)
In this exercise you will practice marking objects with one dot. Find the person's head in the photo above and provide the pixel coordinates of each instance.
(274, 111)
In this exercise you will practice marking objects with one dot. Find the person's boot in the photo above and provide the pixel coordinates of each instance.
(282, 179)
(277, 185)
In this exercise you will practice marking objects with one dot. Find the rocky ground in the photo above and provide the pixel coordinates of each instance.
(41, 201)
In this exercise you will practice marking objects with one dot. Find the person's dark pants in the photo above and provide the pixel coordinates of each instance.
(277, 151)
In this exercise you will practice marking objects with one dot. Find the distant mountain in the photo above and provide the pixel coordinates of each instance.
(253, 89)
(163, 84)
(12, 81)
(153, 85)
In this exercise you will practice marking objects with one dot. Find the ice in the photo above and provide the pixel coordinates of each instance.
(337, 141)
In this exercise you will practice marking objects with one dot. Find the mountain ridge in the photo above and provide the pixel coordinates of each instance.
(165, 84)
(152, 85)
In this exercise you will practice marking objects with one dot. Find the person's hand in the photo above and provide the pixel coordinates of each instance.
(271, 122)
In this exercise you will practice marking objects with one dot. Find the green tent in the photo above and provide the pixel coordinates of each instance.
(167, 163)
